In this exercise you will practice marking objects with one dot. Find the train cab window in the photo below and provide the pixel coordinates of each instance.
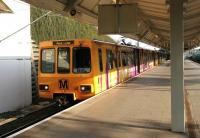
(63, 60)
(48, 61)
(100, 60)
(109, 59)
(81, 60)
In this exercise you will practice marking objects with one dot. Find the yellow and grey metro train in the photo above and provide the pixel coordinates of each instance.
(77, 69)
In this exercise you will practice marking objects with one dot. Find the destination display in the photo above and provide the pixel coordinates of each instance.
(63, 42)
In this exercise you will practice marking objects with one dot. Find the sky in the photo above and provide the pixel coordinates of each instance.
(20, 43)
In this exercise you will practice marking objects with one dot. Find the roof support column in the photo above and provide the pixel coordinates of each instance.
(177, 66)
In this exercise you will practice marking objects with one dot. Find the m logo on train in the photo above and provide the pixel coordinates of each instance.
(63, 84)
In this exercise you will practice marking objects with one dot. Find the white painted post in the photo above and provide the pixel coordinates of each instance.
(177, 66)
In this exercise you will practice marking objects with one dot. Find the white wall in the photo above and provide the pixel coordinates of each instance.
(15, 82)
(15, 53)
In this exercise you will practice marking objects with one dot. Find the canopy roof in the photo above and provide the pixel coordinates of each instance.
(4, 8)
(153, 19)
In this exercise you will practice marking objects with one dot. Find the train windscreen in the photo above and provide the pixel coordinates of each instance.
(63, 60)
(81, 60)
(48, 61)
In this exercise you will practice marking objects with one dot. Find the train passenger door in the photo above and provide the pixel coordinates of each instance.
(141, 60)
(154, 58)
(100, 68)
(134, 61)
(118, 66)
(137, 54)
(109, 67)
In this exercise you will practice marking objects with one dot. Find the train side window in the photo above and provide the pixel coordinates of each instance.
(119, 58)
(63, 60)
(100, 60)
(109, 56)
(115, 59)
(129, 59)
(124, 59)
(48, 61)
(133, 58)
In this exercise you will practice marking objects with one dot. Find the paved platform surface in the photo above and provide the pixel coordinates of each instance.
(192, 85)
(138, 109)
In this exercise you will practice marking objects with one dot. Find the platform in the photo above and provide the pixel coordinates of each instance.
(192, 85)
(139, 108)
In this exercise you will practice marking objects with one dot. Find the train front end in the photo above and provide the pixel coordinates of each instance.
(65, 71)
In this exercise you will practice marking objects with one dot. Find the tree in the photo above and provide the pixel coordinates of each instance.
(55, 27)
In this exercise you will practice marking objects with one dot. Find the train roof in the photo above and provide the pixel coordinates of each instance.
(50, 42)
(130, 46)
(110, 43)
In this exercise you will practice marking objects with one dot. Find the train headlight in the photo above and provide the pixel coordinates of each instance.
(85, 88)
(44, 87)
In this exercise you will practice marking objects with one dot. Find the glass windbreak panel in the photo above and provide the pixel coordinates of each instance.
(48, 61)
(81, 60)
(63, 60)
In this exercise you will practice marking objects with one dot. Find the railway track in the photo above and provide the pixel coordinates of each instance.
(30, 119)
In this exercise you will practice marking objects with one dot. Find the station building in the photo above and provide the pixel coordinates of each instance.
(15, 56)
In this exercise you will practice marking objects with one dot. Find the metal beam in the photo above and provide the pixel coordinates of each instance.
(143, 35)
(154, 17)
(69, 4)
(86, 11)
